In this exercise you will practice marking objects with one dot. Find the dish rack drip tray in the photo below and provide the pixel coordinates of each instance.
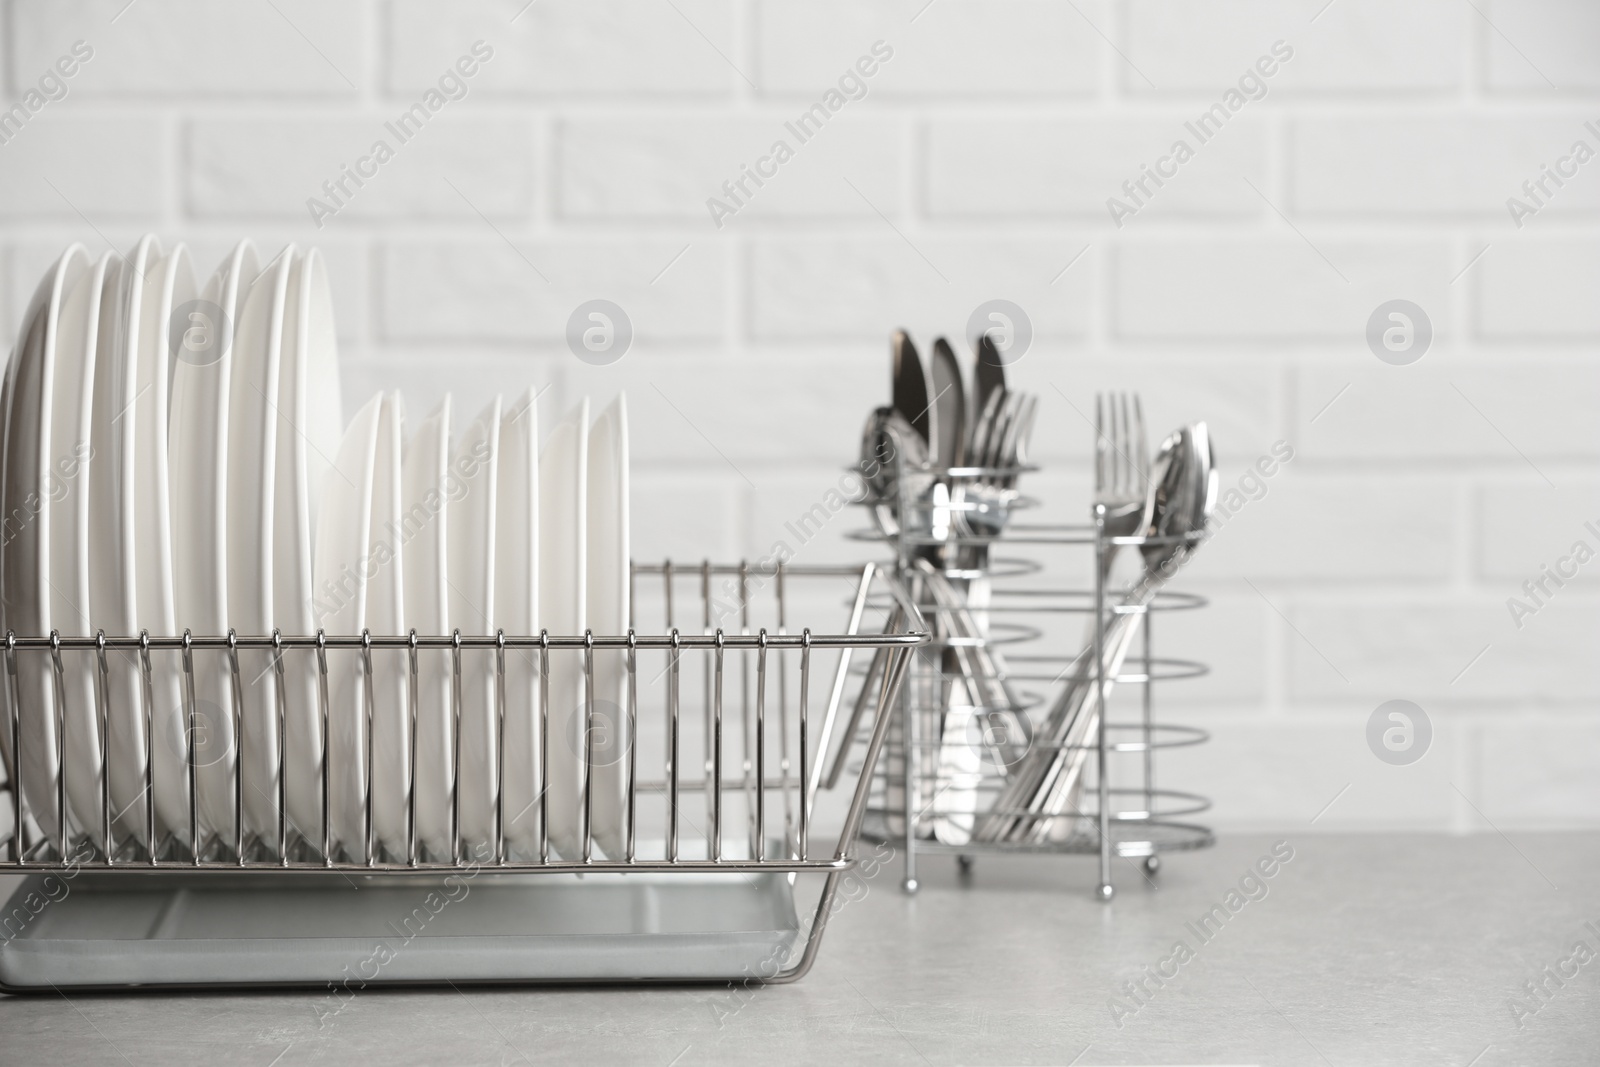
(168, 930)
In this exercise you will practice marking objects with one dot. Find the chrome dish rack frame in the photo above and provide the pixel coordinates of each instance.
(793, 789)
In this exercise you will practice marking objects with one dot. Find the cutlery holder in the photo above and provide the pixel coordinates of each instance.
(952, 759)
(188, 905)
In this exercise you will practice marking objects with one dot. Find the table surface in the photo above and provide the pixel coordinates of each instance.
(1402, 949)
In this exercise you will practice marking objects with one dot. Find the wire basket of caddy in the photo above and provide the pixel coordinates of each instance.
(710, 794)
(995, 748)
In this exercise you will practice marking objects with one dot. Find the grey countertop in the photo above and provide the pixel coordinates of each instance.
(1404, 949)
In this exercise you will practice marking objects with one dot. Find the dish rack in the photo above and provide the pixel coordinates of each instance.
(1125, 814)
(699, 902)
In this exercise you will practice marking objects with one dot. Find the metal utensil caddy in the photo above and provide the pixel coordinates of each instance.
(1133, 819)
(763, 779)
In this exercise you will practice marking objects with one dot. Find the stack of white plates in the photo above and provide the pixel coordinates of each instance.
(172, 460)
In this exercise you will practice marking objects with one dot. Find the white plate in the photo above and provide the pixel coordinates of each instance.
(30, 476)
(168, 288)
(563, 487)
(253, 426)
(72, 405)
(9, 817)
(472, 612)
(344, 532)
(516, 607)
(113, 500)
(130, 537)
(428, 482)
(391, 721)
(197, 453)
(606, 602)
(309, 423)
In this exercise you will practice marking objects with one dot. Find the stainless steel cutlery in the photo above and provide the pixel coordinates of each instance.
(973, 452)
(950, 407)
(947, 497)
(1039, 801)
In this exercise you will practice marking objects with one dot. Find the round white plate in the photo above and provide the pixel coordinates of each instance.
(114, 500)
(169, 286)
(253, 426)
(386, 616)
(198, 457)
(309, 427)
(563, 487)
(31, 474)
(72, 406)
(472, 529)
(8, 823)
(606, 601)
(344, 534)
(516, 603)
(427, 484)
(130, 545)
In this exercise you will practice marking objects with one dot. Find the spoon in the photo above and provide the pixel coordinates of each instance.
(890, 444)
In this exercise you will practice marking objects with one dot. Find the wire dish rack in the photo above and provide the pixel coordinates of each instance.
(697, 893)
(950, 761)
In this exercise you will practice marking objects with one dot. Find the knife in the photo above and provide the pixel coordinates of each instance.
(910, 387)
(950, 407)
(990, 375)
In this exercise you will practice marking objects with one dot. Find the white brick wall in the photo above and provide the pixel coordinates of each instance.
(266, 168)
(1355, 46)
(662, 168)
(1069, 167)
(1446, 165)
(978, 165)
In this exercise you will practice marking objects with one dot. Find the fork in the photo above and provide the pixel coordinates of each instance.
(1121, 463)
(982, 505)
(1121, 475)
